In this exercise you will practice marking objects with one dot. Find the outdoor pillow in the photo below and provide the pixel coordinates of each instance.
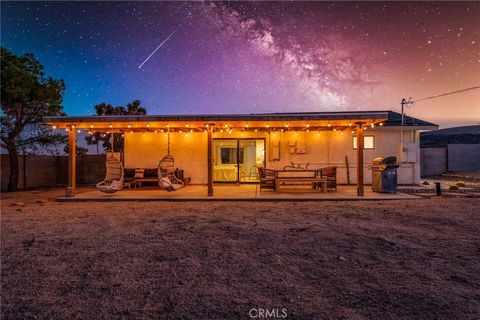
(165, 182)
(139, 172)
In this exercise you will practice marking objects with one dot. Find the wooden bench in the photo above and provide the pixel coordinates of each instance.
(139, 181)
(300, 178)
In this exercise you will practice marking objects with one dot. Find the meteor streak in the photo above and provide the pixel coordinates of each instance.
(159, 46)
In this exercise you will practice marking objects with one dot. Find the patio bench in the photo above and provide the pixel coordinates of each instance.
(315, 183)
(139, 181)
(149, 176)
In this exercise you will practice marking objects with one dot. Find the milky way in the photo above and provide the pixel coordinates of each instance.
(256, 57)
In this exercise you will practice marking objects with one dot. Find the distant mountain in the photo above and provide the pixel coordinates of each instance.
(441, 138)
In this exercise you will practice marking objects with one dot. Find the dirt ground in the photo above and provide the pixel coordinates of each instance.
(410, 259)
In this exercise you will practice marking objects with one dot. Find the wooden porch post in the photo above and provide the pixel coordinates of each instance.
(72, 161)
(210, 161)
(360, 158)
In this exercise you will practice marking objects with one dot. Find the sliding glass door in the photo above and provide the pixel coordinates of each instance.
(236, 160)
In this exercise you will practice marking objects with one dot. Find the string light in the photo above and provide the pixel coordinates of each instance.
(187, 125)
(54, 127)
(372, 125)
(91, 126)
(129, 126)
(148, 125)
(381, 124)
(329, 125)
(350, 124)
(110, 125)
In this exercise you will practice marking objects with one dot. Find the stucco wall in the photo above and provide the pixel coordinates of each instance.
(144, 150)
(322, 149)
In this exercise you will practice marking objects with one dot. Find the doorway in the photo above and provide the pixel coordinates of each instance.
(236, 160)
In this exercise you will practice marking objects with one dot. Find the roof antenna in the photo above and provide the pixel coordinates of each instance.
(404, 103)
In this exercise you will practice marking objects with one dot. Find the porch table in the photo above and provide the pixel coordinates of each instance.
(300, 177)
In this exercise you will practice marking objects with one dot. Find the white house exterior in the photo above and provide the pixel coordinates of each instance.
(239, 143)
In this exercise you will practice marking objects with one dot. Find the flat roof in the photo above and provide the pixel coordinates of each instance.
(292, 116)
(388, 118)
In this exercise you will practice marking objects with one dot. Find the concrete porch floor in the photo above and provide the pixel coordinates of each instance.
(232, 192)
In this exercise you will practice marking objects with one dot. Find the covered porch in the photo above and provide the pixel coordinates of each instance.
(193, 142)
(232, 192)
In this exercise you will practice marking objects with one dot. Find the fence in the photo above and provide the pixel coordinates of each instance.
(50, 171)
(456, 157)
(463, 157)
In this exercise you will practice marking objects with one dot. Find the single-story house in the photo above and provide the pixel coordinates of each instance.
(228, 147)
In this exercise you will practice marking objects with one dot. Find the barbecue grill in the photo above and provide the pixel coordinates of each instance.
(384, 174)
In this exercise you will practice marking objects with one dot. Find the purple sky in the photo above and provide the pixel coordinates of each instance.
(256, 56)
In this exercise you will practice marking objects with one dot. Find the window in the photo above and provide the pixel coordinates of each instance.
(229, 155)
(368, 142)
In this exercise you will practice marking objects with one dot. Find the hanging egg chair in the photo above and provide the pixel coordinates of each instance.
(113, 181)
(166, 171)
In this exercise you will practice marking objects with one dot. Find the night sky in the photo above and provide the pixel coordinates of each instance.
(256, 56)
